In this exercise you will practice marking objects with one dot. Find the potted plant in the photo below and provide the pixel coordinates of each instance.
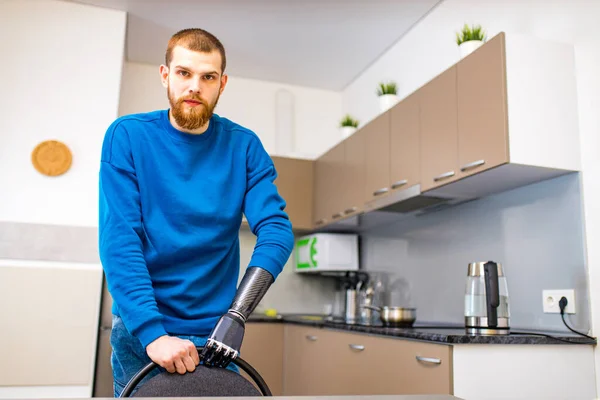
(388, 95)
(469, 39)
(348, 125)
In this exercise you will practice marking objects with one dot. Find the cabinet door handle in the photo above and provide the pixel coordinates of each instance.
(399, 183)
(311, 338)
(337, 215)
(350, 210)
(472, 165)
(444, 176)
(429, 360)
(357, 347)
(380, 191)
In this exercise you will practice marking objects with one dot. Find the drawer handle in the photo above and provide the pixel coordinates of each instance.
(321, 221)
(311, 338)
(429, 360)
(380, 191)
(472, 165)
(337, 215)
(350, 210)
(399, 183)
(444, 176)
(357, 347)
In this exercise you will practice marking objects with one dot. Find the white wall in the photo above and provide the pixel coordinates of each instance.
(588, 58)
(314, 117)
(430, 48)
(61, 74)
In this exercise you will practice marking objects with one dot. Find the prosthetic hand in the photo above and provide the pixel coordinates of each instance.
(225, 340)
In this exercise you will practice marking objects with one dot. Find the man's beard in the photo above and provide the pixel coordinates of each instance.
(191, 118)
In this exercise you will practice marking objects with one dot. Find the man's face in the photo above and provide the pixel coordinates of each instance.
(194, 83)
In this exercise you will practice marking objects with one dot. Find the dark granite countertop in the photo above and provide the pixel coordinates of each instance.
(440, 334)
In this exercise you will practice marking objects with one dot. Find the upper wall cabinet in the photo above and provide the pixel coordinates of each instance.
(439, 134)
(516, 109)
(295, 184)
(481, 111)
(329, 183)
(502, 117)
(354, 174)
(404, 145)
(377, 157)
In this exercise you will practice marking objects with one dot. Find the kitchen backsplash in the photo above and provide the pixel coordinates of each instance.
(291, 292)
(536, 232)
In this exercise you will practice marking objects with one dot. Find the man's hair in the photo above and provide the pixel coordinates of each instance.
(195, 39)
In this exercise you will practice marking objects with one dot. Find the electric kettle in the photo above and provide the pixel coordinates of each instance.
(486, 300)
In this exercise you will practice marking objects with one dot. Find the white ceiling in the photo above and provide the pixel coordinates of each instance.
(317, 43)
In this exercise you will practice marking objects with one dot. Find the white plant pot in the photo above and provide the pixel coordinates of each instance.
(347, 131)
(387, 101)
(468, 47)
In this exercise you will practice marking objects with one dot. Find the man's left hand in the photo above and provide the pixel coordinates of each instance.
(224, 342)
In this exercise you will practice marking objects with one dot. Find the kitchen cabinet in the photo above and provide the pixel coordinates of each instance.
(309, 368)
(482, 109)
(372, 365)
(353, 197)
(329, 183)
(503, 117)
(377, 157)
(320, 362)
(405, 138)
(439, 131)
(516, 116)
(295, 185)
(262, 348)
(330, 362)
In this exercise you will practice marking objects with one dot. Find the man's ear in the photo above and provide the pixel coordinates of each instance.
(223, 83)
(164, 75)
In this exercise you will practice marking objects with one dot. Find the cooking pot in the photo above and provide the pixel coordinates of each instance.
(395, 316)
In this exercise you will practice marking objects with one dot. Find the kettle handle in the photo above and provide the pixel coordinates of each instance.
(492, 292)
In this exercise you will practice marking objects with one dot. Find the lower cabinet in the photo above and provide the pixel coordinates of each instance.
(324, 362)
(262, 348)
(297, 360)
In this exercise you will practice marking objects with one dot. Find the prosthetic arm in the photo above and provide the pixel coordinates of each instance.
(225, 340)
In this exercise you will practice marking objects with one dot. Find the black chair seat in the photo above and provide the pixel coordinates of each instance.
(203, 382)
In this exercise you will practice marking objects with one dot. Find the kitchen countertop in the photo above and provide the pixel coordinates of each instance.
(440, 334)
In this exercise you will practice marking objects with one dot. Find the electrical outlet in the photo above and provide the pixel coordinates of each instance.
(550, 299)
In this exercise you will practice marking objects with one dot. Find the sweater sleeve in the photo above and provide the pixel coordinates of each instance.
(265, 211)
(121, 236)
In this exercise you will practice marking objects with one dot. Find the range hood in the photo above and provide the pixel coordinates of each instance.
(412, 200)
(398, 205)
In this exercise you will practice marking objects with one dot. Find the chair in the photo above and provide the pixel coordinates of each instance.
(203, 382)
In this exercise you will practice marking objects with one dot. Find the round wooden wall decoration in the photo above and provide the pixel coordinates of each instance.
(51, 158)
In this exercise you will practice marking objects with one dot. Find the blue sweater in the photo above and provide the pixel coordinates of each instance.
(171, 206)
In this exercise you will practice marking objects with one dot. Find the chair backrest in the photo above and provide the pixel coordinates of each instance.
(203, 382)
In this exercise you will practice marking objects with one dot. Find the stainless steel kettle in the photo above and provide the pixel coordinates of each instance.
(487, 310)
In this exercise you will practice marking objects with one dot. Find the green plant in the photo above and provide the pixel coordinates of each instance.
(475, 32)
(348, 121)
(386, 88)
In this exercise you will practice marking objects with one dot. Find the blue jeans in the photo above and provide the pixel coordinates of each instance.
(129, 356)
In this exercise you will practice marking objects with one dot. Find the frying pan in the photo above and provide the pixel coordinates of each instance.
(395, 316)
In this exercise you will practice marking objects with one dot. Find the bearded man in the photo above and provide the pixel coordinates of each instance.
(174, 184)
